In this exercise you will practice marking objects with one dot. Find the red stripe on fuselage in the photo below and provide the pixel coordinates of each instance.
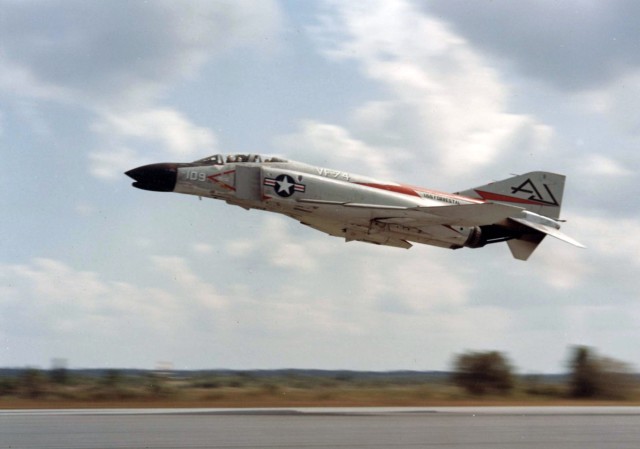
(415, 191)
(406, 190)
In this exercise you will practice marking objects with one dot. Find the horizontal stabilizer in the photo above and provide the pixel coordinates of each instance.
(549, 231)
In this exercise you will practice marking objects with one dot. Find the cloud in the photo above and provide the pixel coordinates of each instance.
(53, 308)
(617, 102)
(276, 246)
(562, 267)
(453, 100)
(47, 297)
(240, 247)
(110, 164)
(164, 132)
(164, 126)
(121, 51)
(615, 239)
(119, 59)
(600, 165)
(385, 279)
(178, 269)
(588, 50)
(603, 273)
(202, 249)
(377, 299)
(583, 45)
(429, 105)
(403, 282)
(331, 145)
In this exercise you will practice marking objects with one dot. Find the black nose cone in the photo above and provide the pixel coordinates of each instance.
(155, 177)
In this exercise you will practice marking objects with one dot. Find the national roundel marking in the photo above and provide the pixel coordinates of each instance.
(285, 185)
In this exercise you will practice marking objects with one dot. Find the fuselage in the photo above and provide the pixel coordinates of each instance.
(315, 196)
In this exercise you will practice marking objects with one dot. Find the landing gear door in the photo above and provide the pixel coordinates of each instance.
(248, 183)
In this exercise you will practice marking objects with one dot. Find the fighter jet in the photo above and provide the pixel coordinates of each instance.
(520, 211)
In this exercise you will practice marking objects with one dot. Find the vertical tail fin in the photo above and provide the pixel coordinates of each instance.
(524, 246)
(539, 192)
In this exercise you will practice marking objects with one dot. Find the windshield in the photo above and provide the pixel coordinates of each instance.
(275, 159)
(219, 159)
(216, 159)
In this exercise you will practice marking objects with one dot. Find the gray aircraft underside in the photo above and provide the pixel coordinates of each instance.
(521, 210)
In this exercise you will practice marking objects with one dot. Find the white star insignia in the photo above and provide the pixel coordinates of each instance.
(284, 186)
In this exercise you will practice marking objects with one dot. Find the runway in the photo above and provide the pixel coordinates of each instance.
(318, 428)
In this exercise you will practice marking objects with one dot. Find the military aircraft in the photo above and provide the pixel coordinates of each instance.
(521, 210)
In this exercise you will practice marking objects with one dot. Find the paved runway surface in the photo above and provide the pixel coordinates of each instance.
(438, 427)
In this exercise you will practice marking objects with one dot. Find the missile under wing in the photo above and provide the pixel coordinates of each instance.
(521, 210)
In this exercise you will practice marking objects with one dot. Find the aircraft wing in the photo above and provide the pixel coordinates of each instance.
(479, 214)
(472, 214)
(432, 223)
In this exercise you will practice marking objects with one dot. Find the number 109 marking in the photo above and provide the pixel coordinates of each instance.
(196, 176)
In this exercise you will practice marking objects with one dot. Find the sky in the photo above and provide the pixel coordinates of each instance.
(443, 94)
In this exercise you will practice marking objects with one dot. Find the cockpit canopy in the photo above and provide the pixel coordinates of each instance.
(219, 159)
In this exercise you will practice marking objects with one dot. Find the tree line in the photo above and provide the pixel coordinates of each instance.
(590, 376)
